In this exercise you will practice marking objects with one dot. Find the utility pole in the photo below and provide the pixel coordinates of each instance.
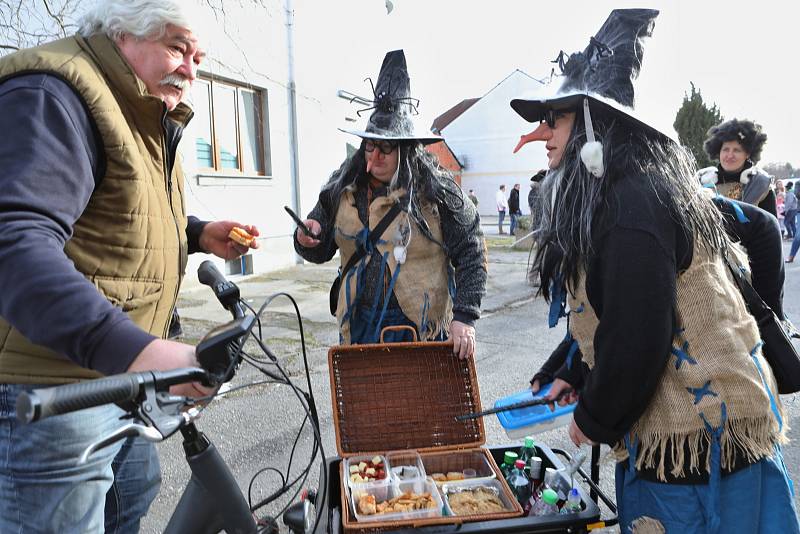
(291, 94)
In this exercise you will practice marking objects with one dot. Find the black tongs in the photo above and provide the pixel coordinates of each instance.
(517, 405)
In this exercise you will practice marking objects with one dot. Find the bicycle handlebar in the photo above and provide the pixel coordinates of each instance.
(226, 292)
(209, 275)
(45, 402)
(41, 403)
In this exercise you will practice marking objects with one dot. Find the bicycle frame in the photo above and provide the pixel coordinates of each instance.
(212, 499)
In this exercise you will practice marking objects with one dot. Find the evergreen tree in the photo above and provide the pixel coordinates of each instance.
(692, 122)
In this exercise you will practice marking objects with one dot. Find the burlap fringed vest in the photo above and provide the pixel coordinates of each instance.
(422, 283)
(715, 360)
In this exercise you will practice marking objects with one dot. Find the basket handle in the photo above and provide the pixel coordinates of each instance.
(400, 327)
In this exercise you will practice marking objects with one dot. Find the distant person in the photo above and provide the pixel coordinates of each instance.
(513, 208)
(796, 240)
(534, 196)
(473, 197)
(780, 195)
(790, 211)
(502, 207)
(737, 145)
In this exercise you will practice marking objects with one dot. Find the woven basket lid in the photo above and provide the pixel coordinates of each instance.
(394, 396)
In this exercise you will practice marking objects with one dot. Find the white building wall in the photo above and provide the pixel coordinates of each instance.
(483, 138)
(250, 46)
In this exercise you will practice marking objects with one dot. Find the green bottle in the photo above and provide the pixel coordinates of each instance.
(528, 450)
(508, 463)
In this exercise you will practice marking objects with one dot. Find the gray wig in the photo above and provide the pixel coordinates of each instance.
(571, 197)
(143, 19)
(419, 173)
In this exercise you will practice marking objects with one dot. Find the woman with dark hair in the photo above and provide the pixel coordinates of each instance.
(737, 145)
(672, 374)
(427, 268)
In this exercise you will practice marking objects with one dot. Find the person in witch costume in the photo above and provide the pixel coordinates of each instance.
(672, 374)
(427, 269)
(737, 145)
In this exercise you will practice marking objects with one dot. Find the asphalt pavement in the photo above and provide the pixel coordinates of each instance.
(257, 427)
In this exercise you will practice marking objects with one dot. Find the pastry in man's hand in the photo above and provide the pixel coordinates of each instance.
(241, 236)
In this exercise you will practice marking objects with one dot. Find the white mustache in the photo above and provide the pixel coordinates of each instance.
(176, 80)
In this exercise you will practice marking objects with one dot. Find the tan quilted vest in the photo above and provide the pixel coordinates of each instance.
(130, 242)
(421, 287)
(719, 335)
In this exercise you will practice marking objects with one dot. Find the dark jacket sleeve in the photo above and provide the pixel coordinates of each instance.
(761, 238)
(557, 366)
(194, 228)
(513, 201)
(635, 278)
(49, 166)
(323, 214)
(465, 246)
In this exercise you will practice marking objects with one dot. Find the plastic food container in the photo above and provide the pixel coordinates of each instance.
(406, 466)
(472, 465)
(492, 485)
(380, 485)
(397, 489)
(533, 419)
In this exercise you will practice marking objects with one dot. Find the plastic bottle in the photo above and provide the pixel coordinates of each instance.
(573, 504)
(535, 473)
(519, 483)
(531, 503)
(528, 450)
(546, 505)
(577, 461)
(554, 480)
(508, 463)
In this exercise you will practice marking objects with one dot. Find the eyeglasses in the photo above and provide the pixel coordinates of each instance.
(386, 147)
(550, 116)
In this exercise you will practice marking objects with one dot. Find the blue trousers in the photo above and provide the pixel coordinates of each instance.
(789, 222)
(754, 500)
(514, 217)
(795, 243)
(42, 487)
(366, 328)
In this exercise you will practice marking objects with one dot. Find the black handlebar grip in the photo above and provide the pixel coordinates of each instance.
(209, 275)
(41, 403)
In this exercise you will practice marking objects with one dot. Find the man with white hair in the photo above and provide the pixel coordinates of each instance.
(92, 252)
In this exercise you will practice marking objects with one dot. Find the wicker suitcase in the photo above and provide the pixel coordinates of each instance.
(398, 396)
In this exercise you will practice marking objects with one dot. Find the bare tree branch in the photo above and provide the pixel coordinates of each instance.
(25, 23)
(58, 18)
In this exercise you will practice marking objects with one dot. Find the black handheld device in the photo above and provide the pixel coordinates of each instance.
(300, 224)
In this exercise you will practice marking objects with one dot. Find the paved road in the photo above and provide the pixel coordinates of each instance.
(256, 428)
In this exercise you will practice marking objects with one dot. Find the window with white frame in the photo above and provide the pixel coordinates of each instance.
(231, 128)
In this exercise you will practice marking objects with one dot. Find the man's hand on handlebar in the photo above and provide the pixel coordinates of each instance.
(163, 355)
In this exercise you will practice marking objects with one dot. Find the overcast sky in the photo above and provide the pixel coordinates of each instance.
(743, 56)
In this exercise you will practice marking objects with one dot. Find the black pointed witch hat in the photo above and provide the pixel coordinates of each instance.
(603, 72)
(393, 108)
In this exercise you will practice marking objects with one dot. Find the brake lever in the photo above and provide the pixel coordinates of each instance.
(126, 431)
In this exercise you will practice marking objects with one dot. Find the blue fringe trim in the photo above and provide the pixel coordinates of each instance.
(558, 302)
